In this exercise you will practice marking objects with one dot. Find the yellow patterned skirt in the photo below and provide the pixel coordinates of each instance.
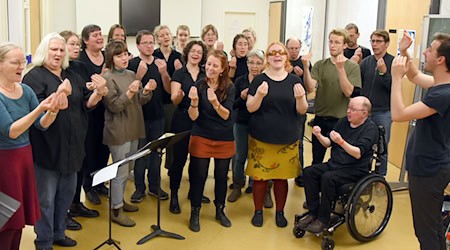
(268, 161)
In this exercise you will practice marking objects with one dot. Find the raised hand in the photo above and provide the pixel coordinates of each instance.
(212, 97)
(219, 45)
(299, 91)
(244, 94)
(61, 101)
(340, 61)
(405, 42)
(335, 136)
(316, 130)
(104, 70)
(90, 86)
(162, 65)
(399, 67)
(65, 87)
(49, 103)
(381, 66)
(141, 70)
(298, 71)
(306, 59)
(233, 62)
(100, 84)
(193, 95)
(263, 89)
(150, 86)
(134, 86)
(177, 64)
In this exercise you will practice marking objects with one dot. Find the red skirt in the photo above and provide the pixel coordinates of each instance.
(17, 179)
(201, 147)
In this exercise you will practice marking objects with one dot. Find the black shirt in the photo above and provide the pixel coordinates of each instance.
(61, 147)
(276, 121)
(170, 61)
(364, 137)
(183, 77)
(350, 52)
(209, 124)
(429, 148)
(299, 63)
(153, 110)
(241, 67)
(80, 68)
(240, 105)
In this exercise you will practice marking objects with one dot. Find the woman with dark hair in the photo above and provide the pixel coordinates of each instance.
(182, 80)
(97, 153)
(124, 122)
(275, 100)
(58, 152)
(117, 32)
(211, 135)
(238, 63)
(19, 110)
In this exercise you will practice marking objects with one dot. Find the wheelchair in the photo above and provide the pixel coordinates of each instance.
(365, 206)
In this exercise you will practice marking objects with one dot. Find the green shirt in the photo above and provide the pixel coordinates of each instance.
(330, 100)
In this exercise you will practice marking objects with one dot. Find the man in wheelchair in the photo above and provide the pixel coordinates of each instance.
(351, 143)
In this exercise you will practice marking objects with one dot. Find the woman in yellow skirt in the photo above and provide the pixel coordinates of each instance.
(275, 98)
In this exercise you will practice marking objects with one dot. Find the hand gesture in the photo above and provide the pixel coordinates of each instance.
(244, 94)
(90, 86)
(141, 70)
(405, 42)
(381, 66)
(232, 63)
(104, 70)
(177, 64)
(162, 65)
(193, 95)
(232, 53)
(150, 86)
(65, 87)
(212, 97)
(61, 101)
(299, 91)
(306, 59)
(399, 67)
(134, 86)
(179, 94)
(298, 71)
(316, 131)
(49, 103)
(340, 61)
(219, 45)
(263, 89)
(335, 136)
(357, 57)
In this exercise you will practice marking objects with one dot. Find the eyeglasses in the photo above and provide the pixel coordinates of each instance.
(254, 63)
(376, 41)
(19, 63)
(354, 110)
(74, 44)
(147, 43)
(277, 52)
(199, 52)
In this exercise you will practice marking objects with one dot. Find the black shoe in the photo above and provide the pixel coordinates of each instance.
(72, 224)
(163, 195)
(257, 219)
(44, 248)
(194, 221)
(249, 190)
(78, 209)
(280, 219)
(137, 196)
(220, 216)
(299, 181)
(66, 242)
(174, 206)
(102, 190)
(92, 197)
(205, 199)
(305, 221)
(316, 227)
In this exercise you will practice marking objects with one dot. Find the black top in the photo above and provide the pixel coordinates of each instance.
(363, 137)
(80, 68)
(377, 87)
(240, 105)
(276, 121)
(61, 147)
(350, 52)
(241, 68)
(170, 62)
(209, 124)
(429, 148)
(183, 77)
(299, 63)
(153, 110)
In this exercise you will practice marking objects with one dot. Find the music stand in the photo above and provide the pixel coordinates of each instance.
(105, 174)
(8, 206)
(157, 146)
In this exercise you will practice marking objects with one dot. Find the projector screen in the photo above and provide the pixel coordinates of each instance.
(138, 15)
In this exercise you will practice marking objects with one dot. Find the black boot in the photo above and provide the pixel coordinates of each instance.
(220, 215)
(174, 206)
(194, 222)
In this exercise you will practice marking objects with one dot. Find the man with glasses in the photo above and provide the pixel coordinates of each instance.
(354, 51)
(376, 85)
(351, 142)
(336, 78)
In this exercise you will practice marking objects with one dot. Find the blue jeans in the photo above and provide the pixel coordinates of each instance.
(55, 193)
(384, 119)
(119, 183)
(241, 138)
(153, 130)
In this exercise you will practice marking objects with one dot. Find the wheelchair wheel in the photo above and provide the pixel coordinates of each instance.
(298, 232)
(369, 208)
(327, 244)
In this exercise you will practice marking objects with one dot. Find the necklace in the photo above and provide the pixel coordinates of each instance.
(8, 90)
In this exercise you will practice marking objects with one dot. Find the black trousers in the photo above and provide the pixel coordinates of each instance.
(326, 124)
(181, 122)
(198, 172)
(426, 194)
(321, 185)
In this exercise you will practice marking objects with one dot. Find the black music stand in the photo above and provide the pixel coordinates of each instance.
(108, 176)
(8, 207)
(158, 146)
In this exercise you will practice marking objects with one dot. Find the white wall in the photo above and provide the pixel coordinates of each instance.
(342, 12)
(3, 20)
(58, 15)
(187, 12)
